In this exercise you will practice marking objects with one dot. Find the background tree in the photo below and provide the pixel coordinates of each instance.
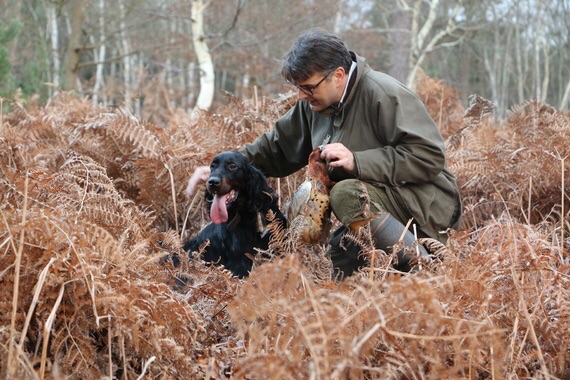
(203, 56)
(53, 34)
(73, 54)
(140, 53)
(7, 35)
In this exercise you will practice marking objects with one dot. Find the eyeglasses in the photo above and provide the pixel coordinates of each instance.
(308, 89)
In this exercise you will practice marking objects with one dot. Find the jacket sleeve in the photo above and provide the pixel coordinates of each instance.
(285, 149)
(412, 150)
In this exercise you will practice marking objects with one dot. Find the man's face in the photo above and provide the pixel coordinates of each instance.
(322, 89)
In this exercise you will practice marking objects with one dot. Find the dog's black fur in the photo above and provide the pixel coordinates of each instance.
(230, 240)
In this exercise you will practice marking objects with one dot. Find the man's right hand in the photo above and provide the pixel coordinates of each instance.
(201, 174)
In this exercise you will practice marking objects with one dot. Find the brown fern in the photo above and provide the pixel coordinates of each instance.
(89, 199)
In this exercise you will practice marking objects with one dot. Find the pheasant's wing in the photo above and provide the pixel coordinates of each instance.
(299, 201)
(318, 215)
(309, 210)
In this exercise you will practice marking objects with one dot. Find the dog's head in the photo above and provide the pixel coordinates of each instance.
(234, 184)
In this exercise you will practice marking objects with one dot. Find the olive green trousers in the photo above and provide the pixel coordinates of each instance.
(354, 203)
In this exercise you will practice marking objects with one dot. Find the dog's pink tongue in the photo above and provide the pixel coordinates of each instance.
(218, 211)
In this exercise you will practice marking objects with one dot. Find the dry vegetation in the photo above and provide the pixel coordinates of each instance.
(92, 198)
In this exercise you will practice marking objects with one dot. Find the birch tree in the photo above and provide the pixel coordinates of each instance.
(205, 64)
(73, 55)
(124, 48)
(420, 44)
(100, 56)
(538, 47)
(519, 61)
(51, 16)
(497, 58)
(508, 50)
(565, 97)
(417, 28)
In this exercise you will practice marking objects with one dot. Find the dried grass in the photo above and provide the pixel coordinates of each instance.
(92, 198)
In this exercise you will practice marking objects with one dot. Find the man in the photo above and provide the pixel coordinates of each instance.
(383, 150)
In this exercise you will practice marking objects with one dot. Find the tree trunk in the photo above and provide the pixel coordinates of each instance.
(519, 58)
(206, 66)
(54, 38)
(100, 56)
(125, 50)
(537, 47)
(546, 76)
(565, 97)
(505, 77)
(420, 48)
(400, 24)
(491, 67)
(73, 55)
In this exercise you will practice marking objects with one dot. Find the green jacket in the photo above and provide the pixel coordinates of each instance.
(395, 143)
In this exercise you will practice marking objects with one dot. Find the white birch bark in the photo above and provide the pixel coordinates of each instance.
(125, 49)
(419, 44)
(546, 76)
(206, 66)
(100, 55)
(537, 48)
(519, 63)
(54, 42)
(565, 97)
(428, 24)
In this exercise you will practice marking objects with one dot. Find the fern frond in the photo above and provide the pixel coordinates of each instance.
(124, 127)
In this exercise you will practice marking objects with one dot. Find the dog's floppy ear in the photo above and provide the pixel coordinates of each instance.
(263, 197)
(257, 188)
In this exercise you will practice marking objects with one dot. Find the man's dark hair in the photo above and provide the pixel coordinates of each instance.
(315, 51)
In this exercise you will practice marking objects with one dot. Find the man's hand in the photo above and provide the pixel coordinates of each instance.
(201, 174)
(338, 156)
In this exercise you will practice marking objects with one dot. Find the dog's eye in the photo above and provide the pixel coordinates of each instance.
(232, 166)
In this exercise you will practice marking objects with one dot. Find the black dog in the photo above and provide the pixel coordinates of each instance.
(237, 192)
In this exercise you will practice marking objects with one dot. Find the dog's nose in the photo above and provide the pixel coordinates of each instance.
(214, 182)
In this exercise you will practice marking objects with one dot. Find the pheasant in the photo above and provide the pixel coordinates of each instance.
(309, 210)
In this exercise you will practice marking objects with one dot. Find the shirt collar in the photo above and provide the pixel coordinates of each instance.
(348, 83)
(335, 108)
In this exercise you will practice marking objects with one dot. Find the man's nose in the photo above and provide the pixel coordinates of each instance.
(301, 94)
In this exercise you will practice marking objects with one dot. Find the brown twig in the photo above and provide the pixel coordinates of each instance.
(11, 364)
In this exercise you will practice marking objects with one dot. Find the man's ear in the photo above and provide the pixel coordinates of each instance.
(339, 75)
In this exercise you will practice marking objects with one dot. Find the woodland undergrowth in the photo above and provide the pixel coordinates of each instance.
(92, 199)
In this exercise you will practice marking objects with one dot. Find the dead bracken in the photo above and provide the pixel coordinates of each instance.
(92, 198)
